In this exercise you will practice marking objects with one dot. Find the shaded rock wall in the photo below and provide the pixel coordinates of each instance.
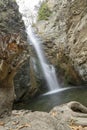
(11, 22)
(10, 18)
(65, 32)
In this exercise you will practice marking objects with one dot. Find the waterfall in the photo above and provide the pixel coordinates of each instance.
(26, 7)
(47, 69)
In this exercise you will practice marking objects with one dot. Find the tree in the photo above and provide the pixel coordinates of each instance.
(44, 12)
(11, 59)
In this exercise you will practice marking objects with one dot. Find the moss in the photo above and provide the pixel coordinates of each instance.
(44, 12)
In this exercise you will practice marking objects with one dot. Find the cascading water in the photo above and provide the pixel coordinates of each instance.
(48, 70)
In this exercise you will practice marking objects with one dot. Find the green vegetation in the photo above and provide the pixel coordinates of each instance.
(44, 12)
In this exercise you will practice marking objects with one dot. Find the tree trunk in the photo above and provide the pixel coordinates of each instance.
(7, 96)
(11, 48)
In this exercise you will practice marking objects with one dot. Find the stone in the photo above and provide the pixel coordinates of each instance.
(59, 118)
(67, 27)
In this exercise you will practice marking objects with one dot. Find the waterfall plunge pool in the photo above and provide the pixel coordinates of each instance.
(47, 102)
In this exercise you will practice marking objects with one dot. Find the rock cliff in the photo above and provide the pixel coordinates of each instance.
(65, 38)
(10, 18)
(11, 22)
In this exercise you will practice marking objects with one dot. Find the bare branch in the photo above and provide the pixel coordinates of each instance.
(11, 46)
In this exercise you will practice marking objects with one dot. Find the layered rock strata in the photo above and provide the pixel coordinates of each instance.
(11, 23)
(64, 35)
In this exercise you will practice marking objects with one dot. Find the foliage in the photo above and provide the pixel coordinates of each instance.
(44, 12)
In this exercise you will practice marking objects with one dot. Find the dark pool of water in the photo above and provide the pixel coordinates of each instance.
(46, 103)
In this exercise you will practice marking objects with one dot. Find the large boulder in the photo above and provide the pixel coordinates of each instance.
(69, 116)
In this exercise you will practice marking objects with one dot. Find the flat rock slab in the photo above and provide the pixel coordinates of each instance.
(32, 121)
(62, 117)
(26, 120)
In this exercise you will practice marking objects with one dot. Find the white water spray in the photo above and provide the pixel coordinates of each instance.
(26, 7)
(48, 70)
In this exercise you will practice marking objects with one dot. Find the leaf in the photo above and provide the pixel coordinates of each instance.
(25, 125)
(15, 122)
(74, 127)
(2, 123)
(54, 113)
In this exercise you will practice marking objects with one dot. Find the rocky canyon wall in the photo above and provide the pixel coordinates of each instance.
(11, 23)
(65, 38)
(10, 18)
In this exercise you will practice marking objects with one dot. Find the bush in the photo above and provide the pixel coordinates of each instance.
(44, 12)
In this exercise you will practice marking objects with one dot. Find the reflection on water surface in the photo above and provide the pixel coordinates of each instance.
(46, 103)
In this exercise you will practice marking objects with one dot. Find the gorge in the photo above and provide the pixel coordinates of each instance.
(43, 65)
(47, 69)
(70, 72)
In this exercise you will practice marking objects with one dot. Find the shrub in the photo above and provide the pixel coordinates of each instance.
(44, 12)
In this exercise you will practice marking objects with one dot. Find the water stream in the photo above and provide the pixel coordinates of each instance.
(47, 69)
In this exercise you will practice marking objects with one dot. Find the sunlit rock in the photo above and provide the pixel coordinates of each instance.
(67, 27)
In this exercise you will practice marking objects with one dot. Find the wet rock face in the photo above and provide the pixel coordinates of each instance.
(22, 82)
(11, 22)
(66, 28)
(77, 37)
